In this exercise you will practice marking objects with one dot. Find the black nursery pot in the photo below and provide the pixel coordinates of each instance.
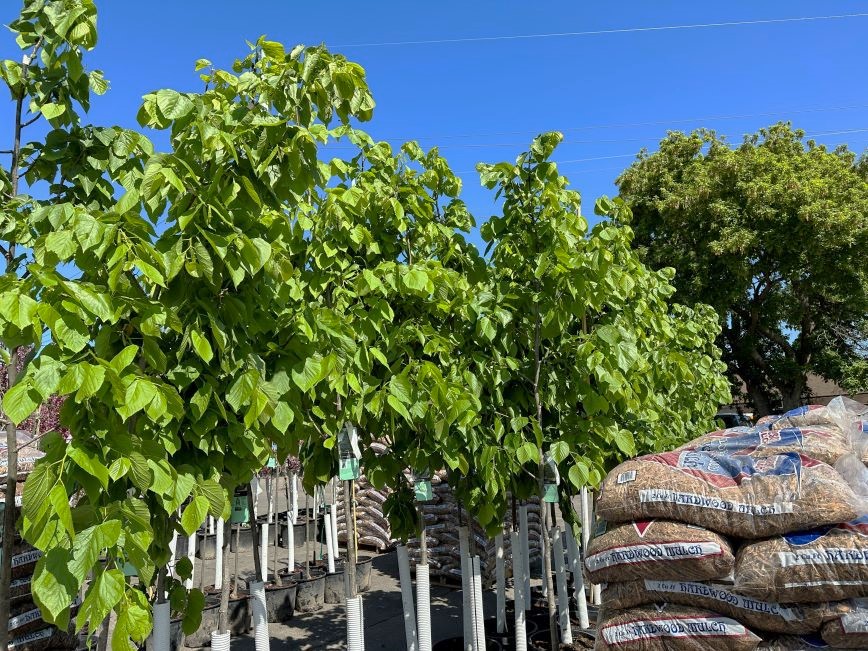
(310, 593)
(457, 644)
(363, 573)
(280, 600)
(335, 591)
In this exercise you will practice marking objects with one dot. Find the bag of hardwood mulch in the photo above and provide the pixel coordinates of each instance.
(758, 615)
(665, 627)
(656, 549)
(45, 639)
(825, 564)
(797, 643)
(826, 443)
(849, 630)
(734, 495)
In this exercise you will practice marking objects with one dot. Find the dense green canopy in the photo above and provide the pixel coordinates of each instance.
(772, 233)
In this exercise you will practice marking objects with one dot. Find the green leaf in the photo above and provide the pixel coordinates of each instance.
(309, 374)
(193, 612)
(215, 494)
(242, 389)
(19, 402)
(88, 461)
(97, 82)
(398, 406)
(283, 417)
(401, 387)
(139, 394)
(578, 474)
(559, 451)
(274, 50)
(194, 514)
(173, 105)
(104, 594)
(51, 110)
(134, 619)
(202, 346)
(417, 280)
(202, 63)
(54, 587)
(625, 442)
(88, 545)
(59, 501)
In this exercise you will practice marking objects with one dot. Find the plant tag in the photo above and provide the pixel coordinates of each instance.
(130, 570)
(240, 511)
(272, 462)
(349, 469)
(424, 493)
(550, 493)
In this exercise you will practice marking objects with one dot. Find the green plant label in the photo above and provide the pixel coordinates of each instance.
(349, 469)
(550, 494)
(424, 493)
(240, 510)
(272, 462)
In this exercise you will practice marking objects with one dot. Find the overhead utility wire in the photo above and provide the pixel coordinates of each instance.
(568, 141)
(626, 125)
(599, 32)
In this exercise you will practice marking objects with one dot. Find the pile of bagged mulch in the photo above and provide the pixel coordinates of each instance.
(742, 539)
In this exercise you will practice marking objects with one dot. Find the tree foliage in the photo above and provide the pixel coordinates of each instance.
(240, 293)
(772, 234)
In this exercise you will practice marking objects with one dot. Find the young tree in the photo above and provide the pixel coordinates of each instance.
(772, 234)
(586, 325)
(165, 337)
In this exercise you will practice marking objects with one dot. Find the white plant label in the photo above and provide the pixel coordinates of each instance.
(712, 502)
(630, 554)
(672, 627)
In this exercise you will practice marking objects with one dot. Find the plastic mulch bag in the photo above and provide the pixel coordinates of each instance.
(734, 495)
(826, 443)
(758, 615)
(657, 549)
(796, 643)
(850, 629)
(665, 627)
(824, 564)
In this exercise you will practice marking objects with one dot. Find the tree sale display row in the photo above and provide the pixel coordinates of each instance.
(237, 294)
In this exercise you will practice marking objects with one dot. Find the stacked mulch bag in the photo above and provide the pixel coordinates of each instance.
(372, 525)
(746, 538)
(27, 630)
(443, 516)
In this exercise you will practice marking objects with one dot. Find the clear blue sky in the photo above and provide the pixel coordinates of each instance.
(486, 100)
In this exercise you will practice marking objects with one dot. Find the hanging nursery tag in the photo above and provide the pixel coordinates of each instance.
(240, 510)
(349, 469)
(550, 493)
(272, 462)
(424, 493)
(130, 570)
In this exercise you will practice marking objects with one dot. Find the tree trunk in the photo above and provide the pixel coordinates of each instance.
(350, 566)
(8, 510)
(223, 612)
(254, 532)
(792, 397)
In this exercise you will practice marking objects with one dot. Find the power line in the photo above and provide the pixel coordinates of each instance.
(654, 123)
(600, 32)
(568, 141)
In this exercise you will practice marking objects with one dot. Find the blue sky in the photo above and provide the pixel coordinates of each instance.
(484, 101)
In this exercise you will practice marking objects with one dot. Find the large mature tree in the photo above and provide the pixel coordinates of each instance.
(772, 233)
